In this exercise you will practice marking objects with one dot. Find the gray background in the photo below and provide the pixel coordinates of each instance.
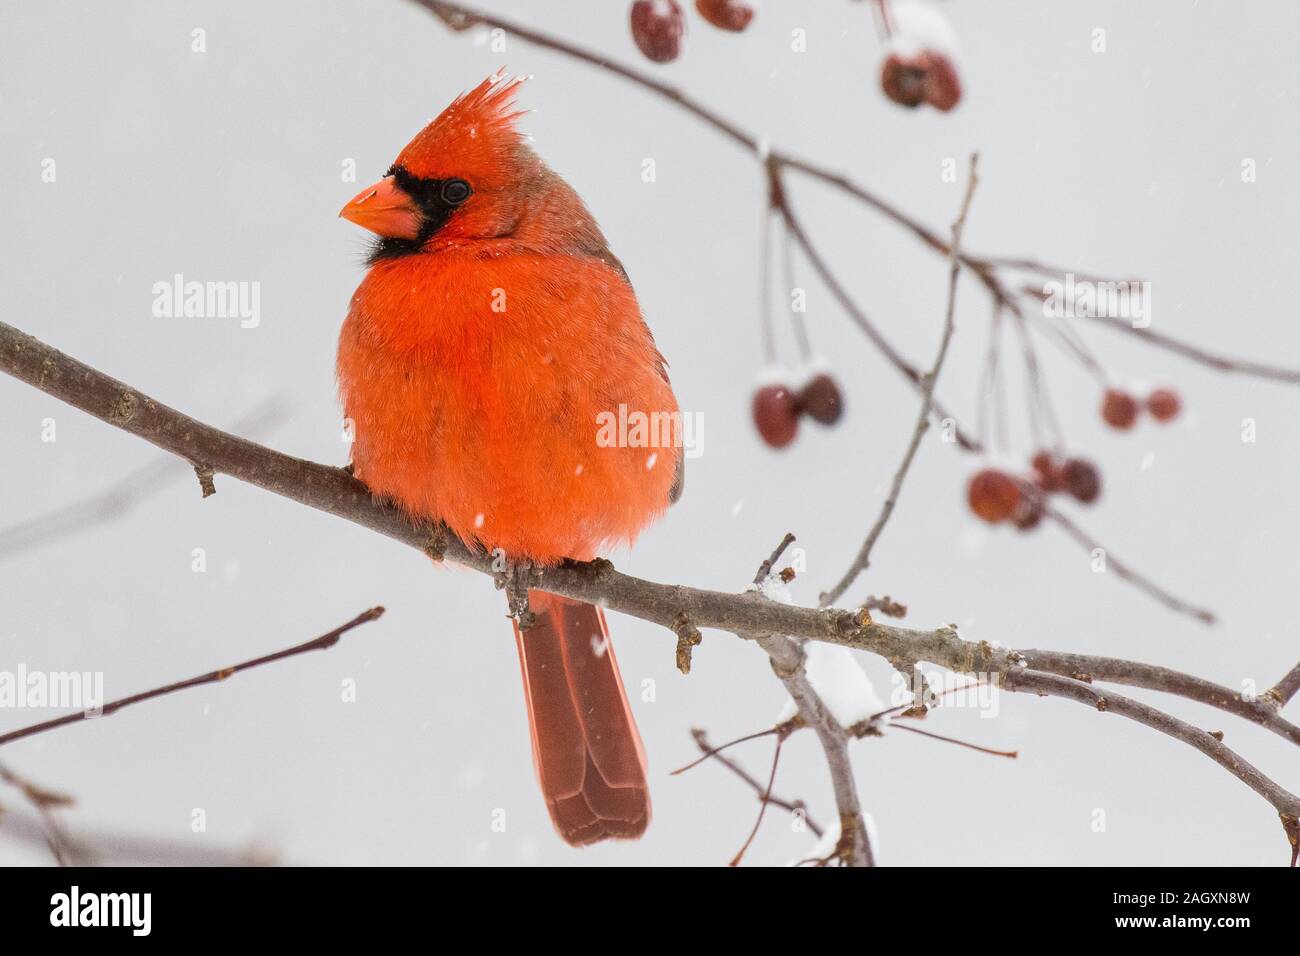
(226, 166)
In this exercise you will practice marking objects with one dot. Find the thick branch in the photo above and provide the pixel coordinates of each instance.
(788, 662)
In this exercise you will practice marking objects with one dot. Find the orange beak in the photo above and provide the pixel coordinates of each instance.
(384, 209)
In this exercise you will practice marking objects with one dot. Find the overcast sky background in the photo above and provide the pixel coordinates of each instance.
(227, 166)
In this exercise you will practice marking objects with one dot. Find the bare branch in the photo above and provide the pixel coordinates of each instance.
(863, 559)
(44, 802)
(1263, 710)
(791, 806)
(1286, 688)
(953, 740)
(787, 661)
(765, 568)
(764, 799)
(1039, 682)
(324, 642)
(1126, 571)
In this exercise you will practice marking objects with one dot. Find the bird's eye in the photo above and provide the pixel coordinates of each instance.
(455, 191)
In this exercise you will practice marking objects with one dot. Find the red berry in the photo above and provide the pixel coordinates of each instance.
(1164, 404)
(1029, 511)
(1047, 467)
(657, 28)
(993, 495)
(821, 399)
(776, 415)
(923, 77)
(1081, 479)
(1119, 409)
(942, 87)
(733, 15)
(903, 80)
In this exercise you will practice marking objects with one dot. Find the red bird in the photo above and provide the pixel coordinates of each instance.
(492, 336)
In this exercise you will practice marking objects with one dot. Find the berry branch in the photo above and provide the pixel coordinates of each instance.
(961, 438)
(908, 77)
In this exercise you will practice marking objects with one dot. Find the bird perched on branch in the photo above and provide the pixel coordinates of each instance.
(492, 335)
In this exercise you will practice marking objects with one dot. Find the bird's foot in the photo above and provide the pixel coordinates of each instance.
(515, 579)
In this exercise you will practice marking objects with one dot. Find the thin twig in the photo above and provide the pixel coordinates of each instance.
(1128, 573)
(324, 642)
(863, 559)
(765, 569)
(44, 802)
(790, 806)
(717, 751)
(1286, 688)
(763, 801)
(953, 740)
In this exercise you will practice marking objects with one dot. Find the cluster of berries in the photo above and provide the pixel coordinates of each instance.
(920, 58)
(777, 408)
(996, 496)
(1120, 410)
(926, 77)
(658, 25)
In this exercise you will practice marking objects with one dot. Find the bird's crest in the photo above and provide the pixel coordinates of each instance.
(475, 135)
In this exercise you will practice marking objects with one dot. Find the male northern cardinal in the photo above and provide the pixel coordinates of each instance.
(491, 333)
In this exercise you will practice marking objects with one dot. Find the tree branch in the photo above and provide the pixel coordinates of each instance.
(1262, 710)
(1285, 802)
